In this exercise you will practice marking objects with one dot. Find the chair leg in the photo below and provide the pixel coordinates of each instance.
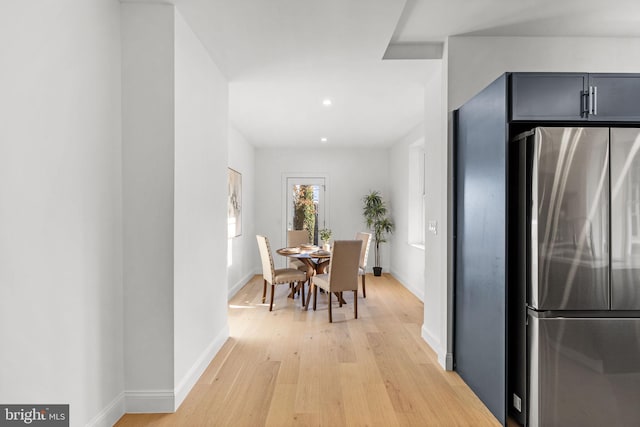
(355, 303)
(340, 299)
(364, 290)
(272, 291)
(315, 296)
(301, 284)
(264, 290)
(330, 318)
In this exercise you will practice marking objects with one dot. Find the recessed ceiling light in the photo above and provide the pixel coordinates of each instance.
(326, 102)
(323, 139)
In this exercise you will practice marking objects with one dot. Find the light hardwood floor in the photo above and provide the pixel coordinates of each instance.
(293, 368)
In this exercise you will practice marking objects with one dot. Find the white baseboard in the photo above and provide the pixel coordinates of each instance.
(149, 401)
(168, 401)
(110, 414)
(240, 283)
(444, 359)
(190, 379)
(419, 293)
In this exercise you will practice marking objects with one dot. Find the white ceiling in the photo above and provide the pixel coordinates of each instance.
(283, 57)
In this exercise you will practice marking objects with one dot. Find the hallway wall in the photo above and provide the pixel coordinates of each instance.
(242, 256)
(148, 204)
(60, 211)
(200, 291)
(407, 260)
(175, 103)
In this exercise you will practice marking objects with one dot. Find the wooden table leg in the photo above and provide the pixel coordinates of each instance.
(321, 267)
(311, 271)
(306, 305)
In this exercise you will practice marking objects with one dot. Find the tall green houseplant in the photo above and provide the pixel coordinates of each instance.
(374, 210)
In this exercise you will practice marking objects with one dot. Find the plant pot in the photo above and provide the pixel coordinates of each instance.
(377, 271)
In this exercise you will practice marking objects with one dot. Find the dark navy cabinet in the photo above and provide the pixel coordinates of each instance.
(616, 97)
(549, 96)
(575, 97)
(480, 298)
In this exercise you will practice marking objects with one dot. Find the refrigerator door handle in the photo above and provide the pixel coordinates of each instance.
(595, 100)
(533, 232)
(590, 100)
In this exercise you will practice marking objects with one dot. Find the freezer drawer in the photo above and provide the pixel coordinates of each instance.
(569, 217)
(583, 371)
(625, 219)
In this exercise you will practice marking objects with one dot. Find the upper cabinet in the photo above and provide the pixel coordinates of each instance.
(616, 97)
(575, 97)
(548, 96)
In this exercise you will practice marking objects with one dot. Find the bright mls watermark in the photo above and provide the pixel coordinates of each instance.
(34, 415)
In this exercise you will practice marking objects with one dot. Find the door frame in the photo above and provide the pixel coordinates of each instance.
(284, 195)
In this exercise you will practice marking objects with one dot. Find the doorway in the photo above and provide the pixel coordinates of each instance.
(305, 205)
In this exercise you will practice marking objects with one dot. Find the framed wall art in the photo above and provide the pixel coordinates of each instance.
(234, 204)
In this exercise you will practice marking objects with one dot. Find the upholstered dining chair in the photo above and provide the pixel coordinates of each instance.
(281, 276)
(297, 238)
(364, 254)
(342, 275)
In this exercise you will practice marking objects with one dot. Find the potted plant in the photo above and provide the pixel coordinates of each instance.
(374, 210)
(325, 236)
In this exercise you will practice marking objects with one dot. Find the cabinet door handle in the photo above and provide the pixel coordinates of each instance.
(595, 100)
(585, 97)
(590, 100)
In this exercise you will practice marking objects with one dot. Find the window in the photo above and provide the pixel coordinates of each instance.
(417, 197)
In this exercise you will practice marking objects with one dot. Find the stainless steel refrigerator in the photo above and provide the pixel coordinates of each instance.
(580, 266)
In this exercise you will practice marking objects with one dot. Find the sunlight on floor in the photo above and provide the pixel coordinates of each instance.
(244, 306)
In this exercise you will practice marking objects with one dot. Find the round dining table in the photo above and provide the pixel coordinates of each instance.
(315, 260)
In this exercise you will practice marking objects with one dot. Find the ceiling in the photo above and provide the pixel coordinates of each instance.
(284, 57)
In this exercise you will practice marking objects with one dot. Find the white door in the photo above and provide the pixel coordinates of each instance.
(305, 205)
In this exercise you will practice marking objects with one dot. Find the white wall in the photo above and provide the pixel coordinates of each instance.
(434, 329)
(175, 103)
(351, 173)
(425, 271)
(60, 217)
(407, 261)
(200, 211)
(148, 175)
(243, 261)
(474, 62)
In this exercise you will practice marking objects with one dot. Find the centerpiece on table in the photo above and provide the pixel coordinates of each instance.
(325, 236)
